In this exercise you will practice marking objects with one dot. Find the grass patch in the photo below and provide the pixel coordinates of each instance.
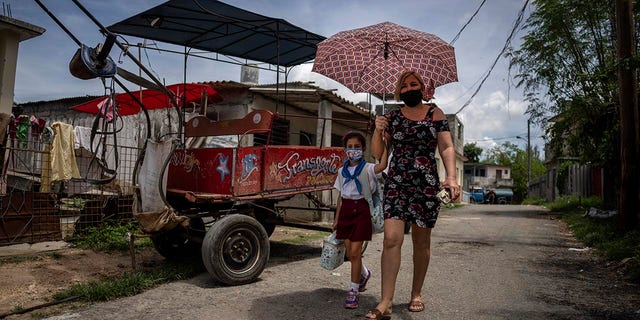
(297, 238)
(55, 255)
(573, 203)
(598, 233)
(452, 205)
(534, 201)
(111, 238)
(131, 283)
(106, 238)
(19, 259)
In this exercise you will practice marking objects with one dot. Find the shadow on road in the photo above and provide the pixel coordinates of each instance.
(282, 252)
(325, 303)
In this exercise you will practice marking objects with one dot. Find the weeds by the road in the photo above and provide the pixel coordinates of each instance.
(114, 238)
(111, 238)
(602, 234)
(131, 283)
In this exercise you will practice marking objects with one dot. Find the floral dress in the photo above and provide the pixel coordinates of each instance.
(412, 183)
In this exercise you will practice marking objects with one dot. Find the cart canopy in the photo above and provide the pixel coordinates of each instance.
(221, 28)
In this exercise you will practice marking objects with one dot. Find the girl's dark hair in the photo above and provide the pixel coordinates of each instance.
(354, 134)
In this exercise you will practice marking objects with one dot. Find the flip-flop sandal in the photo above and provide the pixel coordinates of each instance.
(416, 306)
(378, 315)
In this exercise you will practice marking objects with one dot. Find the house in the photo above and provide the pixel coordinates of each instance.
(487, 176)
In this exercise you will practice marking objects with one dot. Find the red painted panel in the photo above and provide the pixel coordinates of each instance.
(288, 167)
(249, 171)
(201, 170)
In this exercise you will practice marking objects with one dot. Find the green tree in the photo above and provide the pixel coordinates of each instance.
(566, 66)
(472, 152)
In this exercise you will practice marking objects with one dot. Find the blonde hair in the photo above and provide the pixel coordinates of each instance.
(403, 76)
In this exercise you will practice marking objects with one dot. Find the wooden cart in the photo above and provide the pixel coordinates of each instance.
(230, 194)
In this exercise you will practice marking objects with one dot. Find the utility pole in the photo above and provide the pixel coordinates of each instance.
(528, 153)
(629, 140)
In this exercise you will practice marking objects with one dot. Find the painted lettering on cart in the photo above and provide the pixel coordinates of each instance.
(294, 164)
(186, 160)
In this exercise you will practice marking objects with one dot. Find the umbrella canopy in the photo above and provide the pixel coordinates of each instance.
(215, 26)
(370, 59)
(152, 99)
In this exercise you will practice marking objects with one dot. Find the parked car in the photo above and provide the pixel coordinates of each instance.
(476, 195)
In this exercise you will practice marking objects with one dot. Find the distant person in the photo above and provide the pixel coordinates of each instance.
(353, 217)
(412, 133)
(491, 197)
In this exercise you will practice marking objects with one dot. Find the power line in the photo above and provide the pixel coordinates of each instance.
(466, 24)
(494, 139)
(506, 46)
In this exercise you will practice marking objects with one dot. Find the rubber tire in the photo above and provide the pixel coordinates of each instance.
(269, 228)
(235, 250)
(265, 217)
(177, 244)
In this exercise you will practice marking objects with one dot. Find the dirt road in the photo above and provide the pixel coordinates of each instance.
(488, 262)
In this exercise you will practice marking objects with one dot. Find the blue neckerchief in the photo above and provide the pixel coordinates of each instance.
(348, 177)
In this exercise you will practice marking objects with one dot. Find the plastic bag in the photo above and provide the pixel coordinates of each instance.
(333, 251)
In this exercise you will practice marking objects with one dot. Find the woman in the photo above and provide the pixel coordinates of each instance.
(413, 133)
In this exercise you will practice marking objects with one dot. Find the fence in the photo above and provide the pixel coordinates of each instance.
(576, 180)
(35, 206)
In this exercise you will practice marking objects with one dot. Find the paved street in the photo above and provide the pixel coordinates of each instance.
(488, 262)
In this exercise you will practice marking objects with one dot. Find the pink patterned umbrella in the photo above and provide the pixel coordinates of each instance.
(370, 59)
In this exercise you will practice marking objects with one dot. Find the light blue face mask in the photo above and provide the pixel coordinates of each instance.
(354, 154)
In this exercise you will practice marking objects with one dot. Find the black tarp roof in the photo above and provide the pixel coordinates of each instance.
(218, 27)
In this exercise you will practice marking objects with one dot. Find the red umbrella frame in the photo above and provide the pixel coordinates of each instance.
(370, 59)
(152, 99)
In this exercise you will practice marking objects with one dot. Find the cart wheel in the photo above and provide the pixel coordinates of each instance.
(269, 228)
(265, 213)
(235, 250)
(180, 243)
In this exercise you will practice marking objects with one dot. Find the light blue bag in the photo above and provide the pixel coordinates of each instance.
(375, 204)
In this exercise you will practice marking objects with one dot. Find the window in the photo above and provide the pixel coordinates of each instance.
(498, 174)
(468, 171)
(480, 172)
(336, 140)
(279, 134)
(307, 139)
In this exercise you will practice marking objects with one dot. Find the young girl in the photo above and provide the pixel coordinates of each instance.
(353, 218)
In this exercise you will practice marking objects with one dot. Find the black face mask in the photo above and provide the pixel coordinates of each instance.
(411, 98)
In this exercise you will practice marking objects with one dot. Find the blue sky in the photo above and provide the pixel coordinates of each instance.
(495, 115)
